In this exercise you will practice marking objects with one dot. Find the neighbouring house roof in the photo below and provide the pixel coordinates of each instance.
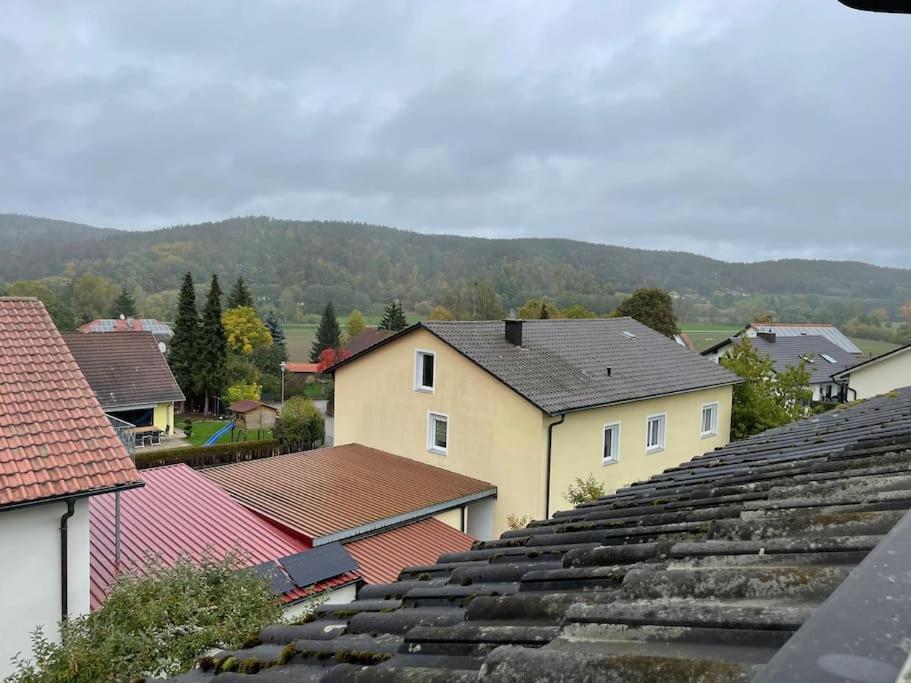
(181, 513)
(566, 365)
(344, 491)
(788, 351)
(156, 327)
(246, 405)
(703, 572)
(872, 361)
(366, 339)
(55, 440)
(304, 368)
(684, 340)
(379, 557)
(830, 332)
(125, 369)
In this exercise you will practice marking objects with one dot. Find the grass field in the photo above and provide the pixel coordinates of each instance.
(704, 335)
(873, 347)
(299, 337)
(203, 429)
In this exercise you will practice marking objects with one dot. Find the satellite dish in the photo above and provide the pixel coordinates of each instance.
(162, 347)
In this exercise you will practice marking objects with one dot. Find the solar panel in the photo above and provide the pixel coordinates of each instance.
(272, 572)
(318, 564)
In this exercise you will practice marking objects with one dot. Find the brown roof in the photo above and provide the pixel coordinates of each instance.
(382, 557)
(366, 339)
(125, 369)
(55, 439)
(348, 488)
(303, 367)
(247, 405)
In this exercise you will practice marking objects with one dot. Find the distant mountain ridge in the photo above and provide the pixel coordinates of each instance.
(357, 264)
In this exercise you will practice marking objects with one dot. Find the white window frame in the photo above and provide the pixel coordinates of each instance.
(419, 371)
(614, 456)
(662, 432)
(713, 429)
(432, 419)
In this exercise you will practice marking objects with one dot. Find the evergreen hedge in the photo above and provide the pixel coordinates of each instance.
(207, 456)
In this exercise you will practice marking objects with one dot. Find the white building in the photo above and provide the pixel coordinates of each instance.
(880, 375)
(57, 447)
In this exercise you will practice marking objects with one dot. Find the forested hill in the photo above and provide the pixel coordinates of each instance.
(357, 265)
(17, 230)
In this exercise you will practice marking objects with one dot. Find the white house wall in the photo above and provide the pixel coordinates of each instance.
(339, 596)
(30, 573)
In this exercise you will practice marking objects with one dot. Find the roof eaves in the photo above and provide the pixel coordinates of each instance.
(360, 354)
(715, 385)
(397, 520)
(870, 361)
(72, 496)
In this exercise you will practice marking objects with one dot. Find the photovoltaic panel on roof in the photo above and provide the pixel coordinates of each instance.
(276, 576)
(318, 564)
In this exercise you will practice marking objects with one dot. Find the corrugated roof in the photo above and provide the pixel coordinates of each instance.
(331, 490)
(703, 572)
(830, 332)
(382, 557)
(55, 439)
(788, 351)
(311, 368)
(566, 365)
(181, 513)
(124, 369)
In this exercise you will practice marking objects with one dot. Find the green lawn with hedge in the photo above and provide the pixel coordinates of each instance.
(203, 429)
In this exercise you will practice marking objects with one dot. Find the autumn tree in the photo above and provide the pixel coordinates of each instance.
(538, 309)
(240, 296)
(184, 352)
(301, 425)
(393, 317)
(328, 334)
(124, 304)
(474, 300)
(244, 331)
(354, 325)
(92, 296)
(57, 308)
(212, 363)
(440, 313)
(578, 311)
(765, 399)
(652, 307)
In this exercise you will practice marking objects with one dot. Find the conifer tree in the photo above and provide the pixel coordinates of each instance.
(271, 321)
(213, 348)
(328, 334)
(183, 356)
(240, 295)
(393, 317)
(124, 304)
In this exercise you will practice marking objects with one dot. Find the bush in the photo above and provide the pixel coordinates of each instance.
(207, 456)
(241, 392)
(584, 490)
(156, 621)
(301, 426)
(188, 427)
(514, 521)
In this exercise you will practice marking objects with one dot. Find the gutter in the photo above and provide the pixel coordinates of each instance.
(64, 559)
(73, 496)
(397, 520)
(550, 443)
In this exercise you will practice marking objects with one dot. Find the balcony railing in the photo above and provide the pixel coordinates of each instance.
(125, 432)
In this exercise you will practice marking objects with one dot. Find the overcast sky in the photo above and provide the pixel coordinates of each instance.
(740, 130)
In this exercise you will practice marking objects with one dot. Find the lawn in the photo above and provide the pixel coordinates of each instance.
(203, 429)
(873, 347)
(703, 335)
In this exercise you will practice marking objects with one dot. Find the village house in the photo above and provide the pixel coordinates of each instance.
(180, 513)
(781, 330)
(532, 405)
(161, 331)
(879, 375)
(57, 448)
(386, 510)
(130, 376)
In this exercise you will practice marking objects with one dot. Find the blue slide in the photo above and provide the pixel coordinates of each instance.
(220, 433)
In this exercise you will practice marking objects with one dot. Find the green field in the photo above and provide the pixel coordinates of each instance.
(873, 347)
(703, 335)
(299, 337)
(203, 429)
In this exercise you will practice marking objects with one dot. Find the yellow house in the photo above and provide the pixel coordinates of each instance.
(531, 405)
(129, 374)
(879, 375)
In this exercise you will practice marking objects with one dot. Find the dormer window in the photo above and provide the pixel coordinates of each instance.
(424, 371)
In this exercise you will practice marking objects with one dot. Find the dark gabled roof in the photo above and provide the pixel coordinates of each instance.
(787, 352)
(246, 405)
(825, 330)
(124, 369)
(367, 338)
(703, 572)
(566, 365)
(875, 359)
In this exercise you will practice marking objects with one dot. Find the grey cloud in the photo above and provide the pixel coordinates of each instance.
(738, 130)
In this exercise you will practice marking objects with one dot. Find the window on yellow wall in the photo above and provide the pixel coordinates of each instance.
(610, 447)
(709, 419)
(655, 433)
(424, 371)
(437, 433)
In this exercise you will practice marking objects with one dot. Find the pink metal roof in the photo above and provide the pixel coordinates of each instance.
(382, 557)
(179, 512)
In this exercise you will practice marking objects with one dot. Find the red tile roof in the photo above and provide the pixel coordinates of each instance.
(55, 439)
(312, 368)
(179, 512)
(333, 490)
(383, 556)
